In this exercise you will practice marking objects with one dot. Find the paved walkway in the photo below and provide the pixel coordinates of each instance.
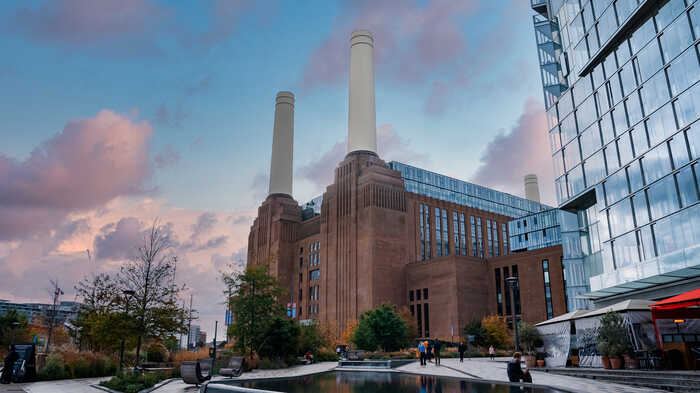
(66, 385)
(495, 370)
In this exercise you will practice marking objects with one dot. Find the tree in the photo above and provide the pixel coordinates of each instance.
(529, 337)
(149, 274)
(312, 338)
(13, 325)
(476, 329)
(281, 340)
(349, 333)
(381, 327)
(410, 322)
(255, 305)
(102, 319)
(496, 331)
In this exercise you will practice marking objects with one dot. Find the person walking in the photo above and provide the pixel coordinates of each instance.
(421, 352)
(437, 346)
(492, 352)
(515, 373)
(9, 365)
(461, 348)
(429, 350)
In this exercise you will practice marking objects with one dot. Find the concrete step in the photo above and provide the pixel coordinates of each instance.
(674, 382)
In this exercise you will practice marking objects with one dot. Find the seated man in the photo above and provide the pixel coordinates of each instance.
(515, 373)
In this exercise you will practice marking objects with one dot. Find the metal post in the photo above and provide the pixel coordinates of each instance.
(216, 326)
(513, 284)
(127, 295)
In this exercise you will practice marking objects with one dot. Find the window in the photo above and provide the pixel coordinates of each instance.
(425, 293)
(662, 198)
(438, 233)
(488, 237)
(445, 235)
(410, 295)
(506, 289)
(419, 320)
(473, 225)
(495, 238)
(455, 232)
(547, 289)
(427, 232)
(480, 237)
(418, 294)
(499, 295)
(505, 239)
(315, 274)
(462, 234)
(516, 299)
(422, 234)
(426, 312)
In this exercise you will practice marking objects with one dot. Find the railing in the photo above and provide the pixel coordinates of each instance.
(538, 3)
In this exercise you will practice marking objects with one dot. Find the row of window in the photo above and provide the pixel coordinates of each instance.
(420, 312)
(503, 291)
(313, 292)
(418, 295)
(547, 289)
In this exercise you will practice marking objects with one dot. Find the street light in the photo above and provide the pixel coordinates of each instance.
(512, 283)
(127, 294)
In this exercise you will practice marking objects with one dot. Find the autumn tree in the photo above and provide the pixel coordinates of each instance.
(410, 322)
(496, 331)
(349, 332)
(149, 274)
(101, 318)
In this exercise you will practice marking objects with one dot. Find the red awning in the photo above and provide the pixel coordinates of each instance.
(688, 299)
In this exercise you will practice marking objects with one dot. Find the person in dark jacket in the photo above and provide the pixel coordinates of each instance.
(515, 373)
(437, 347)
(9, 365)
(461, 348)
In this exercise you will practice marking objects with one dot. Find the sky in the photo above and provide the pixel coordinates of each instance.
(115, 114)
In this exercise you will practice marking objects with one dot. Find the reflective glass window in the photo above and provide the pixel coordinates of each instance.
(623, 53)
(625, 250)
(668, 12)
(606, 124)
(590, 141)
(639, 140)
(694, 140)
(558, 163)
(601, 100)
(686, 187)
(616, 187)
(629, 83)
(634, 109)
(634, 173)
(676, 38)
(572, 156)
(595, 168)
(598, 76)
(607, 24)
(554, 140)
(565, 105)
(579, 55)
(661, 124)
(642, 35)
(615, 89)
(649, 60)
(695, 19)
(621, 219)
(582, 89)
(641, 212)
(575, 180)
(624, 147)
(586, 113)
(592, 40)
(647, 243)
(654, 93)
(568, 129)
(576, 29)
(656, 163)
(611, 159)
(662, 198)
(679, 151)
(560, 188)
(684, 71)
(688, 105)
(624, 9)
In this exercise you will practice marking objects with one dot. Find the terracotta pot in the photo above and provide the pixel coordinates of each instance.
(530, 361)
(606, 362)
(574, 360)
(540, 363)
(616, 363)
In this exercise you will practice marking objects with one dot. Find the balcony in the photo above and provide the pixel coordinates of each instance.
(539, 6)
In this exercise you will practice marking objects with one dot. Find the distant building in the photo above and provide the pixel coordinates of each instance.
(193, 337)
(202, 338)
(40, 313)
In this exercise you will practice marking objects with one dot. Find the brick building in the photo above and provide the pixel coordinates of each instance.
(390, 232)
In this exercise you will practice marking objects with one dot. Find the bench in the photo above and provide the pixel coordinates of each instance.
(234, 368)
(196, 373)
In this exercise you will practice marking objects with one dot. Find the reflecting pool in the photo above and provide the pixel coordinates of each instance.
(379, 382)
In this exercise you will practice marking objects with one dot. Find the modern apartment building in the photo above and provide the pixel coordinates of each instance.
(622, 100)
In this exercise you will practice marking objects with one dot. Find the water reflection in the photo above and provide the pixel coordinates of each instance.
(381, 382)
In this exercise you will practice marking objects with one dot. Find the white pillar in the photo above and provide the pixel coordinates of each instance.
(282, 158)
(532, 189)
(362, 120)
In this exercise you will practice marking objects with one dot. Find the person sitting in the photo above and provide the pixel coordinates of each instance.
(9, 365)
(309, 356)
(515, 373)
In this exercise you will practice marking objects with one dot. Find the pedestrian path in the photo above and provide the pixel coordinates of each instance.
(61, 386)
(495, 370)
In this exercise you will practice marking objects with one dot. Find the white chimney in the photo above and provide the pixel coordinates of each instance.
(532, 190)
(282, 145)
(362, 120)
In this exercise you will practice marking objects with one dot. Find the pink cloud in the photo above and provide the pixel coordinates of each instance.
(524, 149)
(411, 40)
(87, 164)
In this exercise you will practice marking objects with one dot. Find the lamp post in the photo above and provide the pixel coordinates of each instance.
(512, 283)
(15, 324)
(127, 294)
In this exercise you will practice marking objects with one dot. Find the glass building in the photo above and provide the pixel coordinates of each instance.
(537, 230)
(434, 185)
(622, 100)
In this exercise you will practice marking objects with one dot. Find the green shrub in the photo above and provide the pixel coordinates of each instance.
(130, 383)
(269, 364)
(53, 368)
(325, 356)
(157, 352)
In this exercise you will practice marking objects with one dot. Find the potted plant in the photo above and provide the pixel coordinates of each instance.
(574, 357)
(631, 362)
(603, 348)
(540, 359)
(530, 339)
(616, 351)
(612, 339)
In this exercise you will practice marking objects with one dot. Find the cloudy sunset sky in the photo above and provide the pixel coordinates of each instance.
(117, 113)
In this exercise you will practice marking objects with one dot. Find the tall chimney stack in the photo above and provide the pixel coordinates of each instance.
(532, 190)
(282, 145)
(362, 120)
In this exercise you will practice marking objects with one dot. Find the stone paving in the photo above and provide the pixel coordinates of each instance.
(483, 368)
(66, 385)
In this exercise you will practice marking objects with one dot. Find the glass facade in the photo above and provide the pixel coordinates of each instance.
(423, 182)
(535, 231)
(624, 141)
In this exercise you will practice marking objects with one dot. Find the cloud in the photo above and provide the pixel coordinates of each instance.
(167, 157)
(119, 240)
(223, 18)
(171, 117)
(200, 86)
(412, 40)
(87, 164)
(390, 144)
(523, 150)
(205, 222)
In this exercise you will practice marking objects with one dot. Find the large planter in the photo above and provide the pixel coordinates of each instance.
(606, 362)
(574, 360)
(616, 363)
(540, 363)
(530, 361)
